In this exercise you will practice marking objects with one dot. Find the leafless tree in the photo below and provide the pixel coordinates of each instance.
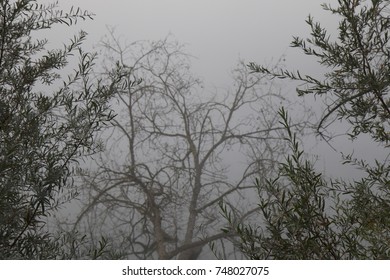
(172, 150)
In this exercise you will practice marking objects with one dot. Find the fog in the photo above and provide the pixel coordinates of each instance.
(218, 33)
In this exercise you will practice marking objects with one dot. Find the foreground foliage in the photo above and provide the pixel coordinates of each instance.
(304, 216)
(47, 121)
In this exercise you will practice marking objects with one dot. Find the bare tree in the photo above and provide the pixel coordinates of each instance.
(171, 151)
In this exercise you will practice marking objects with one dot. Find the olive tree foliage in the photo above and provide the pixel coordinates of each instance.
(171, 151)
(47, 122)
(294, 219)
(303, 215)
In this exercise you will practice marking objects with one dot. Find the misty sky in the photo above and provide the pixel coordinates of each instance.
(218, 33)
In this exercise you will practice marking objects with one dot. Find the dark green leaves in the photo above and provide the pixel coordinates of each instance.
(44, 128)
(306, 216)
(356, 61)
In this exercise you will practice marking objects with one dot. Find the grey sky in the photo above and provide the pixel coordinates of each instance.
(218, 33)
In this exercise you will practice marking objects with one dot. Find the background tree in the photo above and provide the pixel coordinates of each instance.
(156, 190)
(47, 123)
(302, 215)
